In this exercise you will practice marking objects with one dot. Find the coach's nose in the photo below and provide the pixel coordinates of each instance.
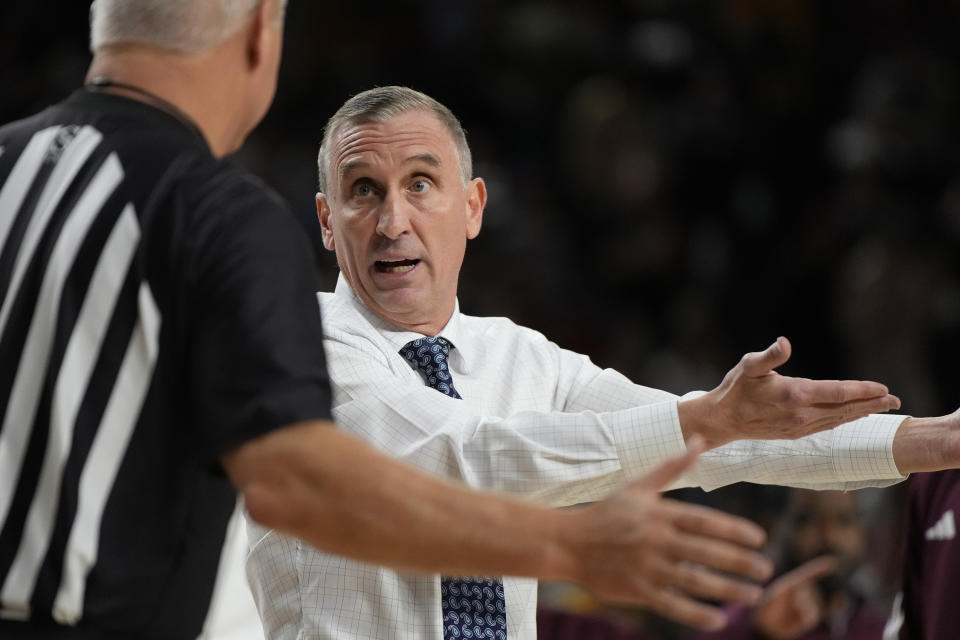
(394, 216)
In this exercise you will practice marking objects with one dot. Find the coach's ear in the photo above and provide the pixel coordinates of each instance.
(323, 214)
(476, 201)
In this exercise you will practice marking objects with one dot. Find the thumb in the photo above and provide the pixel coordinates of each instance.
(672, 469)
(762, 362)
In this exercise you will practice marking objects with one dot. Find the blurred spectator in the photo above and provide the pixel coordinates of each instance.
(825, 590)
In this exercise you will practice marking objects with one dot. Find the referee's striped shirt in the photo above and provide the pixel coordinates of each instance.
(156, 310)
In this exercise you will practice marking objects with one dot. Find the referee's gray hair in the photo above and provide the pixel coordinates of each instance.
(188, 26)
(379, 105)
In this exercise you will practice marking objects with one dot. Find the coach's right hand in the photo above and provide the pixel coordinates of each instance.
(637, 547)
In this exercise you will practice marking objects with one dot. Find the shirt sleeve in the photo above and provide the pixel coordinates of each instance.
(602, 430)
(851, 456)
(554, 457)
(255, 343)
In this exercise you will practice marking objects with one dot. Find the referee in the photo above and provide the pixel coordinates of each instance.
(160, 350)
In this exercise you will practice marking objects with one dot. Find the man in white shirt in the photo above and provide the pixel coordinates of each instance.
(498, 406)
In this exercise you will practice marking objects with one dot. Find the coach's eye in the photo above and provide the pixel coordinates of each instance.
(362, 190)
(419, 186)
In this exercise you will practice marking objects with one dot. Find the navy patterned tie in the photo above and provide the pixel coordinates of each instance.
(472, 607)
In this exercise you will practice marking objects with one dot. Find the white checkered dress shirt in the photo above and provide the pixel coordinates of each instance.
(536, 421)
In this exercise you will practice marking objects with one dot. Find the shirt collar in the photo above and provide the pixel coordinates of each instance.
(398, 336)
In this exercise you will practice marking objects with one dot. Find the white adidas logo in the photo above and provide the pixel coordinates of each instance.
(944, 529)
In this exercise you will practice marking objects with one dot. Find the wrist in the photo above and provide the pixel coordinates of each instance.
(916, 447)
(697, 416)
(561, 554)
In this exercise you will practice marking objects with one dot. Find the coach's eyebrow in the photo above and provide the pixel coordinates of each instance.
(351, 166)
(426, 158)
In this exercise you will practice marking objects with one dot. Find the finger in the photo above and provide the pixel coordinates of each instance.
(701, 582)
(805, 574)
(823, 417)
(760, 362)
(707, 522)
(812, 392)
(670, 470)
(680, 608)
(719, 555)
(862, 407)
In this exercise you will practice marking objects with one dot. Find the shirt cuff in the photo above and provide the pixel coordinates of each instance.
(864, 448)
(647, 435)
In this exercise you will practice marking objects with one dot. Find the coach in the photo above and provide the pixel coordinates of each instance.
(498, 406)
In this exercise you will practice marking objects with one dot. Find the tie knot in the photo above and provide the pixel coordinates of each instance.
(429, 356)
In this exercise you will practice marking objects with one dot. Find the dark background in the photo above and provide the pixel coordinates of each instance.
(672, 183)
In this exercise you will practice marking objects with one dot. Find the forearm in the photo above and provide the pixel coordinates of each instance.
(852, 456)
(928, 444)
(338, 494)
(578, 432)
(567, 458)
(551, 457)
(329, 489)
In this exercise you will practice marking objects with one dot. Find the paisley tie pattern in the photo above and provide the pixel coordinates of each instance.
(429, 356)
(472, 607)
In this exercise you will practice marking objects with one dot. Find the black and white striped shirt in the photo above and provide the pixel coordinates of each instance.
(156, 310)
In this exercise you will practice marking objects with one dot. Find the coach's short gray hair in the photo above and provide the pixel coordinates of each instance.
(379, 105)
(188, 26)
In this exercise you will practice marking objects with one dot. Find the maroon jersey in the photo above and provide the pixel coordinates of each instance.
(931, 580)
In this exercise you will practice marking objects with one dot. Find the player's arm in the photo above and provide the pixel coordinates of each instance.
(329, 488)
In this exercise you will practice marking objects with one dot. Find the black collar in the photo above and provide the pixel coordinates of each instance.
(102, 84)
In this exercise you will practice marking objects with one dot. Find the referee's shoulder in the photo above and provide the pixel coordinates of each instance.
(219, 186)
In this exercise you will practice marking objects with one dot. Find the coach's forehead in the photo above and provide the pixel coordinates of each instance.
(398, 139)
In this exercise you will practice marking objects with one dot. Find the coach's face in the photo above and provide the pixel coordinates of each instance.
(398, 215)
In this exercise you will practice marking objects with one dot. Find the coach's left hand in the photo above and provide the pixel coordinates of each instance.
(754, 401)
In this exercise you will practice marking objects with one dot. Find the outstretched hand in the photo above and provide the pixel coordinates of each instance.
(792, 605)
(640, 548)
(754, 401)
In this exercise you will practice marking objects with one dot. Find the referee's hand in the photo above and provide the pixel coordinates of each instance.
(637, 547)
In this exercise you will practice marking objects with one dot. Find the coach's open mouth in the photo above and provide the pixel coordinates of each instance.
(395, 266)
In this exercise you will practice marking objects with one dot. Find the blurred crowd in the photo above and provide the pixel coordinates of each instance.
(672, 182)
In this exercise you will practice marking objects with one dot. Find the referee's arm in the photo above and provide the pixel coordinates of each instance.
(334, 491)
